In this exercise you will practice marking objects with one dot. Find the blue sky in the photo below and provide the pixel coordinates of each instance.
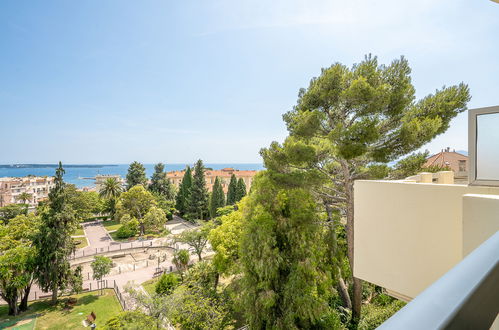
(115, 81)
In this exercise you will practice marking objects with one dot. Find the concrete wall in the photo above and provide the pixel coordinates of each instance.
(407, 235)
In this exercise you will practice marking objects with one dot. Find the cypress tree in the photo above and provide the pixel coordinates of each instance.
(184, 192)
(240, 189)
(217, 197)
(136, 175)
(231, 193)
(54, 240)
(198, 201)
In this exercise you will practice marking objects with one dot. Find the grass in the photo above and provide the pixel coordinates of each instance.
(79, 231)
(58, 317)
(114, 236)
(111, 225)
(83, 242)
(150, 285)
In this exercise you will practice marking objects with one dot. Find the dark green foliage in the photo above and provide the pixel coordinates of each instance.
(283, 284)
(128, 229)
(410, 165)
(240, 189)
(11, 211)
(54, 240)
(184, 192)
(132, 320)
(136, 175)
(198, 200)
(375, 314)
(160, 184)
(232, 191)
(217, 199)
(348, 119)
(167, 283)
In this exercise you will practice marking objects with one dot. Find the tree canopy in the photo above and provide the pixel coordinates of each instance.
(350, 118)
(136, 203)
(184, 192)
(136, 175)
(217, 199)
(198, 199)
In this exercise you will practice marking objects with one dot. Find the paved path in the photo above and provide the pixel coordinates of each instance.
(97, 235)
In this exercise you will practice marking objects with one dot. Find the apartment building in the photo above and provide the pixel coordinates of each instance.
(37, 187)
(223, 175)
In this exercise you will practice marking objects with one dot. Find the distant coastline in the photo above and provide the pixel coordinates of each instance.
(54, 165)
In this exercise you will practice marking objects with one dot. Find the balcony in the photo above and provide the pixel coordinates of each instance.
(407, 235)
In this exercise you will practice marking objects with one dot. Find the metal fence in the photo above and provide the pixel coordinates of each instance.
(124, 247)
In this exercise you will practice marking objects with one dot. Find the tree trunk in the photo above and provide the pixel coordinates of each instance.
(199, 256)
(343, 290)
(357, 284)
(54, 296)
(12, 302)
(24, 299)
(217, 278)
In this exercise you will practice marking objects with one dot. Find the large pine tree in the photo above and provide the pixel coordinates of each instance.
(160, 184)
(198, 201)
(136, 175)
(240, 189)
(54, 240)
(184, 192)
(217, 197)
(231, 193)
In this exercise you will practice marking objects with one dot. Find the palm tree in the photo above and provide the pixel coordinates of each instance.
(24, 197)
(111, 189)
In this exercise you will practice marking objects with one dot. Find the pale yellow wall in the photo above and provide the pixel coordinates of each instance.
(407, 235)
(480, 220)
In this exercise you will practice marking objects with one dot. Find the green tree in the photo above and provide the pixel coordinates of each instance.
(101, 266)
(84, 203)
(217, 199)
(160, 183)
(167, 283)
(225, 241)
(283, 284)
(18, 260)
(155, 219)
(196, 238)
(240, 189)
(111, 190)
(198, 199)
(11, 211)
(232, 191)
(136, 202)
(54, 241)
(24, 197)
(349, 118)
(134, 320)
(136, 175)
(184, 192)
(181, 260)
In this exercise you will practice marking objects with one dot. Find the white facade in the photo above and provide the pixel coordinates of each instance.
(37, 187)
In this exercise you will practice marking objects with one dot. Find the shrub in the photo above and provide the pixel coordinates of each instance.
(167, 283)
(373, 316)
(128, 229)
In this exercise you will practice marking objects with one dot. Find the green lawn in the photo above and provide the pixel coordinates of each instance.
(79, 231)
(150, 285)
(83, 242)
(111, 225)
(58, 317)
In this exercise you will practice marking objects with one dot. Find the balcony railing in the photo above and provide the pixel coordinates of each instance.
(466, 297)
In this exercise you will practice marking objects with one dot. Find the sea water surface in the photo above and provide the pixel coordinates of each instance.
(81, 175)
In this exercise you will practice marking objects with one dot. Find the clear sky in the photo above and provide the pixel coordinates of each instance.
(115, 81)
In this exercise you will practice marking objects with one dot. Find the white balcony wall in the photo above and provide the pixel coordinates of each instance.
(407, 235)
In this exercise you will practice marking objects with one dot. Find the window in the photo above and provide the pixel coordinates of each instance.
(462, 166)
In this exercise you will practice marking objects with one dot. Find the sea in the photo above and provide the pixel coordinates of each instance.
(81, 175)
